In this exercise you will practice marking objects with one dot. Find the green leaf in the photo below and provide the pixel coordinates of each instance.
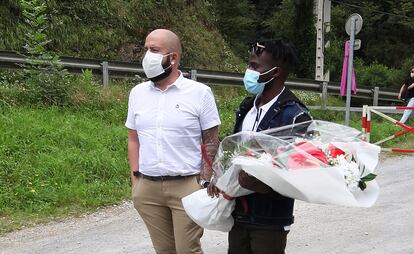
(368, 177)
(39, 36)
(362, 185)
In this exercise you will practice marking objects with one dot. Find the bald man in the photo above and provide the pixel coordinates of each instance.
(169, 118)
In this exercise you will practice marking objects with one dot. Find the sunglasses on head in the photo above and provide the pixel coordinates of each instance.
(256, 48)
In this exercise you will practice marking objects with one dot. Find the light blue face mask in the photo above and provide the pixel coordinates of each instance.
(251, 81)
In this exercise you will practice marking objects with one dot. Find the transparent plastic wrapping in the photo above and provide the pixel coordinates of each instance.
(316, 161)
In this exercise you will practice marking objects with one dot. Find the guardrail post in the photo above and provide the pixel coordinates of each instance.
(193, 74)
(376, 96)
(105, 74)
(324, 95)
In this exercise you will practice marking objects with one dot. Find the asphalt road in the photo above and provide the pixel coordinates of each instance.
(388, 227)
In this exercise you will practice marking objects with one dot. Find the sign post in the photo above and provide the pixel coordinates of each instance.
(353, 26)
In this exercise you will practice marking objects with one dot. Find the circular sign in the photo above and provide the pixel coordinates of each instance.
(358, 23)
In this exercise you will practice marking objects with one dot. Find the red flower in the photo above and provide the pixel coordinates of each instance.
(252, 154)
(304, 158)
(335, 151)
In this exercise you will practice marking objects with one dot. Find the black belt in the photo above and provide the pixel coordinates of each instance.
(160, 178)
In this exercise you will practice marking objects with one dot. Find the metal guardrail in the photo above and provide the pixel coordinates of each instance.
(116, 69)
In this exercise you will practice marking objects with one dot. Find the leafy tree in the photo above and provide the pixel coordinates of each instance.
(46, 82)
(387, 35)
(294, 21)
(236, 20)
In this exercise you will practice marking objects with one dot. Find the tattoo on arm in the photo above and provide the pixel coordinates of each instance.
(211, 142)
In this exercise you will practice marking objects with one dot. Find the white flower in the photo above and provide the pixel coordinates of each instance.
(350, 169)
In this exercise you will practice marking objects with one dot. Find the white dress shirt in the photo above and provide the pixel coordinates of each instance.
(255, 115)
(169, 125)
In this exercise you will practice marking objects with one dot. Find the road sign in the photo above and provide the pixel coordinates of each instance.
(353, 26)
(357, 44)
(358, 24)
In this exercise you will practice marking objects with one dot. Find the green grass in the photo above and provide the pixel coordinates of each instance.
(55, 162)
(228, 100)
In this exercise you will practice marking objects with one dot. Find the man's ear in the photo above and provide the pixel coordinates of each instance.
(174, 58)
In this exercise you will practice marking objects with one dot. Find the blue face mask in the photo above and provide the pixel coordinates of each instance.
(251, 81)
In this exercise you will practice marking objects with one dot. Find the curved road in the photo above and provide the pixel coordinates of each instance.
(388, 227)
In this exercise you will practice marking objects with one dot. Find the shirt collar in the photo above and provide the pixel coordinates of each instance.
(177, 83)
(267, 106)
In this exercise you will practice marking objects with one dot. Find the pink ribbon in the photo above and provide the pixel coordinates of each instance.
(345, 73)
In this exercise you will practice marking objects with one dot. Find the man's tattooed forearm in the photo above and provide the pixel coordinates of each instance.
(211, 142)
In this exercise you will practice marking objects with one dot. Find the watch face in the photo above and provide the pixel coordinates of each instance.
(203, 183)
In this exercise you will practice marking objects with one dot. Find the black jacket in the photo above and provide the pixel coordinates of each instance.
(269, 211)
(409, 93)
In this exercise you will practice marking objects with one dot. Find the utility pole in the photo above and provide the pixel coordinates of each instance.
(323, 21)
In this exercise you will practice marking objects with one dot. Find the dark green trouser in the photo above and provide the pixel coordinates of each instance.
(248, 241)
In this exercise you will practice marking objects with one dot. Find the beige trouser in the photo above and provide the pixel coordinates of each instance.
(159, 205)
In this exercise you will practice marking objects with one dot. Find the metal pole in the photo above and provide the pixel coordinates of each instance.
(376, 96)
(319, 56)
(350, 66)
(193, 74)
(105, 74)
(324, 95)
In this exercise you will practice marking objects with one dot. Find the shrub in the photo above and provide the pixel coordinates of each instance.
(379, 75)
(40, 88)
(46, 88)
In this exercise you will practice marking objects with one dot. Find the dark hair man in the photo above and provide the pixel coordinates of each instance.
(262, 219)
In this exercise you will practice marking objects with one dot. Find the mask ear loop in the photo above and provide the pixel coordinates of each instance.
(264, 73)
(268, 81)
(170, 66)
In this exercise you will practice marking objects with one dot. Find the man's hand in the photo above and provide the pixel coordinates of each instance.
(212, 190)
(251, 183)
(134, 181)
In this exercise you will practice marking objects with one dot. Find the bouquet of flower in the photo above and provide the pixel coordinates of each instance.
(316, 161)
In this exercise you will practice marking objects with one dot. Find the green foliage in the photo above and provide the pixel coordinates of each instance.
(44, 82)
(379, 75)
(309, 98)
(294, 21)
(34, 13)
(228, 100)
(117, 30)
(386, 39)
(214, 33)
(46, 88)
(236, 21)
(12, 32)
(55, 162)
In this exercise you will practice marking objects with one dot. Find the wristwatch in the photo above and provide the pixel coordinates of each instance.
(203, 183)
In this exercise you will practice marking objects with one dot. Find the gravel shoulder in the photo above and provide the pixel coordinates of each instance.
(388, 227)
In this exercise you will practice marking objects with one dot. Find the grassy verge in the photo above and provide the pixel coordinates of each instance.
(66, 161)
(56, 162)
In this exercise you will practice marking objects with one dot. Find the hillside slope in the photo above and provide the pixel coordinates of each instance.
(116, 29)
